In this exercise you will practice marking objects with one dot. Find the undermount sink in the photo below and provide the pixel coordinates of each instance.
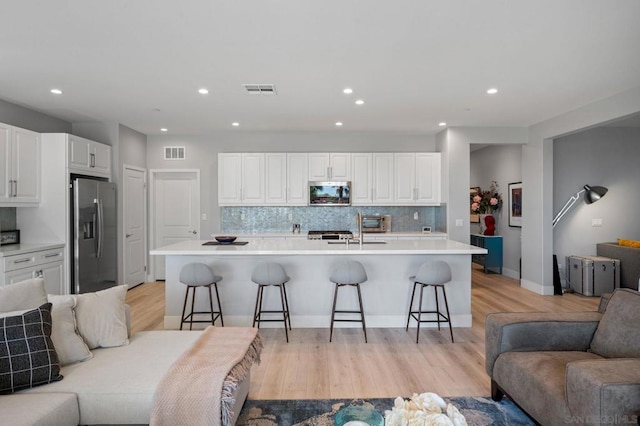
(355, 243)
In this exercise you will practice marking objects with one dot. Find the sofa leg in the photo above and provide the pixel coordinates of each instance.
(496, 392)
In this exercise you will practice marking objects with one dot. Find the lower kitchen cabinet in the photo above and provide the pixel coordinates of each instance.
(19, 264)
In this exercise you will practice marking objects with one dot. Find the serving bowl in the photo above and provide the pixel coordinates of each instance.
(225, 239)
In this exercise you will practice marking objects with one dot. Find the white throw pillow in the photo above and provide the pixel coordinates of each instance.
(68, 343)
(101, 317)
(23, 295)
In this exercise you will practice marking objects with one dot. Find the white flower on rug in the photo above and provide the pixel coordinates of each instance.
(426, 409)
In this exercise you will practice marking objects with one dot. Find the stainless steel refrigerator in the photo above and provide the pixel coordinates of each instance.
(94, 263)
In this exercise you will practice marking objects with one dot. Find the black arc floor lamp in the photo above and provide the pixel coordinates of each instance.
(591, 195)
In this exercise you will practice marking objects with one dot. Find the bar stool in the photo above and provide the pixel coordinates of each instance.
(348, 273)
(435, 274)
(267, 274)
(199, 275)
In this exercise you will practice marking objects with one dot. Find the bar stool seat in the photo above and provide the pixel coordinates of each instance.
(271, 274)
(348, 273)
(435, 274)
(195, 275)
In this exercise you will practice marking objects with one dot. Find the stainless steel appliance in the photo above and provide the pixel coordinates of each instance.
(329, 235)
(329, 193)
(376, 223)
(93, 217)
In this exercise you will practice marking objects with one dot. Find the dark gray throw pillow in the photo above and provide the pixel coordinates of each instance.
(27, 355)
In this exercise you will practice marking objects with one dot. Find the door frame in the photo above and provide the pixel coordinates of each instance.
(153, 177)
(145, 221)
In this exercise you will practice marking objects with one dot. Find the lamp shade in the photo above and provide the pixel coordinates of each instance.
(594, 193)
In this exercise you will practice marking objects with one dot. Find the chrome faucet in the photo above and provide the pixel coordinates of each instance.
(360, 235)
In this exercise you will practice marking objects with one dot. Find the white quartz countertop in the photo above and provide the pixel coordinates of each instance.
(303, 234)
(318, 247)
(18, 249)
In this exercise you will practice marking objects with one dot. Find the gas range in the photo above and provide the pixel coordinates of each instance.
(329, 235)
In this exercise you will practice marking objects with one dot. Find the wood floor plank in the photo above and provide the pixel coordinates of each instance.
(391, 364)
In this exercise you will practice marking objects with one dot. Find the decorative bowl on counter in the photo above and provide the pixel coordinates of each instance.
(225, 239)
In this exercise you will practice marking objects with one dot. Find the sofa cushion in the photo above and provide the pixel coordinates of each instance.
(68, 343)
(27, 294)
(27, 355)
(101, 317)
(618, 334)
(46, 409)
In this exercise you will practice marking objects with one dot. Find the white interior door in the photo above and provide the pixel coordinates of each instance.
(134, 204)
(176, 211)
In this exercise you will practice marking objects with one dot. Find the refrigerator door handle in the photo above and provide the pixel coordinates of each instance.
(99, 226)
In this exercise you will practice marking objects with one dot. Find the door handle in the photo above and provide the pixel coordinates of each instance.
(128, 235)
(194, 232)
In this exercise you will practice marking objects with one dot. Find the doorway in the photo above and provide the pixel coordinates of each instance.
(135, 225)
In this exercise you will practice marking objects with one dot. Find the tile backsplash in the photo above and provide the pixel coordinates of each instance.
(248, 220)
(7, 218)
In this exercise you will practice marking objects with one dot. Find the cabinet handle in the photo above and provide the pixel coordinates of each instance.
(51, 255)
(93, 160)
(28, 259)
(39, 274)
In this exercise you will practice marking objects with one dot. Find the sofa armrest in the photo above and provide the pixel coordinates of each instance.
(537, 331)
(604, 391)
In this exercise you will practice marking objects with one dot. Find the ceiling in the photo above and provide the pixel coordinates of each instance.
(415, 63)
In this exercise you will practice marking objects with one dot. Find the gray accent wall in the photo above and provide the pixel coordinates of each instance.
(20, 116)
(605, 156)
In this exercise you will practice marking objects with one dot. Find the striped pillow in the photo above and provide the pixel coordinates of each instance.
(27, 355)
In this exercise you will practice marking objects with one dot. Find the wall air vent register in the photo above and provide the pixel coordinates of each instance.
(174, 152)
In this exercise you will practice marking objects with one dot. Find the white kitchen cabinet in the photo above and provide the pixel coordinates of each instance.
(362, 179)
(275, 179)
(19, 166)
(47, 264)
(297, 184)
(241, 179)
(325, 166)
(89, 157)
(417, 178)
(383, 178)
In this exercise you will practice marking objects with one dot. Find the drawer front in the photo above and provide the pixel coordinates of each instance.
(47, 256)
(28, 260)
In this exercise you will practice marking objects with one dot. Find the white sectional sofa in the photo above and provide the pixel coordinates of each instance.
(115, 386)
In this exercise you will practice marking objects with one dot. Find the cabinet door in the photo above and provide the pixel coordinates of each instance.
(362, 169)
(428, 178)
(340, 166)
(383, 178)
(253, 179)
(53, 277)
(26, 165)
(19, 275)
(229, 179)
(79, 151)
(405, 178)
(100, 158)
(5, 162)
(276, 179)
(318, 166)
(297, 182)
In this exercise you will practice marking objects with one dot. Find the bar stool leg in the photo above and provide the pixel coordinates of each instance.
(184, 307)
(284, 311)
(258, 304)
(435, 292)
(193, 302)
(215, 285)
(213, 318)
(286, 302)
(444, 293)
(413, 293)
(364, 326)
(419, 313)
(333, 310)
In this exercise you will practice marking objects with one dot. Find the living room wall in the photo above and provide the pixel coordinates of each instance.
(604, 156)
(501, 163)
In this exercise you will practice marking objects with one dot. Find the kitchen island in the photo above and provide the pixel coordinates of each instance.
(386, 294)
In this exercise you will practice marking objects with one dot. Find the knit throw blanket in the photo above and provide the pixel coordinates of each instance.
(198, 388)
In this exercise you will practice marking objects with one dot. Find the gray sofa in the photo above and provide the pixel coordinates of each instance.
(569, 368)
(629, 262)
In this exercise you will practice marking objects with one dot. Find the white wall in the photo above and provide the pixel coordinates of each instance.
(19, 116)
(202, 153)
(606, 156)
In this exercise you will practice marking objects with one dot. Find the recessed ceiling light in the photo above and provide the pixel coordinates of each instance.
(347, 91)
(442, 124)
(203, 91)
(164, 129)
(235, 124)
(338, 123)
(359, 102)
(56, 91)
(492, 91)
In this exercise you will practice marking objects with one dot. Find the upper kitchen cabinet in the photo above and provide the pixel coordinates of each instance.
(372, 179)
(19, 167)
(241, 179)
(89, 157)
(297, 186)
(325, 166)
(417, 178)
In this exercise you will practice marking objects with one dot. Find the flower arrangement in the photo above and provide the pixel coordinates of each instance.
(426, 409)
(487, 201)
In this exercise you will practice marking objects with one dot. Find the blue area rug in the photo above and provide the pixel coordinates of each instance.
(320, 412)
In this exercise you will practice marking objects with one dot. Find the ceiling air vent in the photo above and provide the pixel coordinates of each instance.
(174, 152)
(260, 89)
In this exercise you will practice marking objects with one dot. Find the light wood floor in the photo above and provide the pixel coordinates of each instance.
(391, 364)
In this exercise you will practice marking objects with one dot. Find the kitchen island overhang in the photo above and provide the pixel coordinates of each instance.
(386, 293)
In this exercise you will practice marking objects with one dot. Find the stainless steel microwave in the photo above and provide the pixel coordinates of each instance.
(376, 223)
(329, 193)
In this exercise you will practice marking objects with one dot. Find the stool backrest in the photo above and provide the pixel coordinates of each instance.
(196, 274)
(269, 273)
(348, 272)
(436, 272)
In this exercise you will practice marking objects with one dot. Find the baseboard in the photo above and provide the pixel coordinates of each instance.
(536, 288)
(511, 273)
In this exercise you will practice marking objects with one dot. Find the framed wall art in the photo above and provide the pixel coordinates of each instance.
(515, 204)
